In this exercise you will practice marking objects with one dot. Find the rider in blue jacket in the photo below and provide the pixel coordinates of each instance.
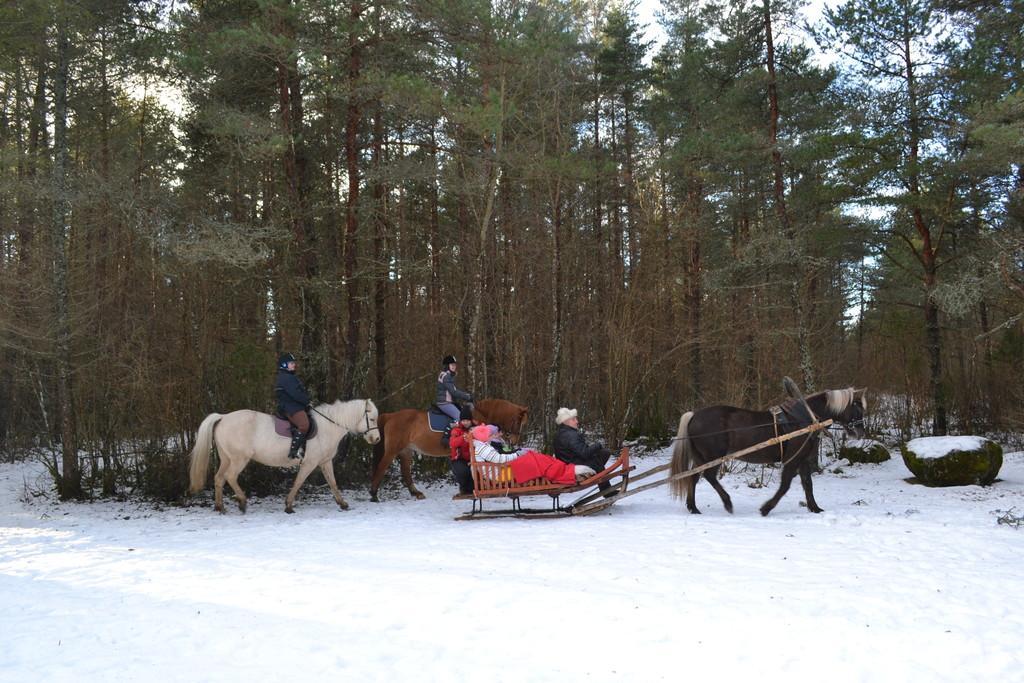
(292, 402)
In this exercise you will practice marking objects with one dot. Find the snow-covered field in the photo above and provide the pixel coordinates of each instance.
(893, 582)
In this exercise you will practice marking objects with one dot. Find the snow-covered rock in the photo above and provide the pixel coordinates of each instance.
(864, 451)
(953, 460)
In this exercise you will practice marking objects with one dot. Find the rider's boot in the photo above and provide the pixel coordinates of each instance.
(298, 446)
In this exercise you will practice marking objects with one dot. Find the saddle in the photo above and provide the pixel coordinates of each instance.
(436, 420)
(285, 428)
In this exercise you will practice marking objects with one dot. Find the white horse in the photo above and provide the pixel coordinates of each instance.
(246, 435)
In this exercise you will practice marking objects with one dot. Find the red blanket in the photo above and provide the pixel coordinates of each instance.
(531, 465)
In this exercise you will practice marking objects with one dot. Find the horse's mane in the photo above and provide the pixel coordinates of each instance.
(838, 400)
(345, 413)
(841, 399)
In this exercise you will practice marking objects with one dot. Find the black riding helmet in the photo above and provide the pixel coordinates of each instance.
(448, 360)
(465, 413)
(284, 359)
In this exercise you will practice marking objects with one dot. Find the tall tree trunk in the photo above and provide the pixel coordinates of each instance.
(297, 179)
(616, 218)
(555, 298)
(695, 296)
(69, 484)
(477, 369)
(352, 122)
(435, 246)
(37, 123)
(632, 237)
(555, 294)
(380, 253)
(928, 253)
(796, 291)
(598, 209)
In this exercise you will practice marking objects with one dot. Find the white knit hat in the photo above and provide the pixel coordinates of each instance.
(564, 414)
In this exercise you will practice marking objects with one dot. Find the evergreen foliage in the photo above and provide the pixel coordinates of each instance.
(187, 189)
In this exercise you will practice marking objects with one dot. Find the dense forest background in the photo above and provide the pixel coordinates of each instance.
(187, 188)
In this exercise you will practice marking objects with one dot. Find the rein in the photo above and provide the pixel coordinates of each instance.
(833, 428)
(366, 416)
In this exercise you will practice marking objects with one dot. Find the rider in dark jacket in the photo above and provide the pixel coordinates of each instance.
(292, 402)
(448, 395)
(570, 446)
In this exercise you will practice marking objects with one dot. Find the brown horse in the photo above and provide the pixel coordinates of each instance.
(406, 432)
(709, 433)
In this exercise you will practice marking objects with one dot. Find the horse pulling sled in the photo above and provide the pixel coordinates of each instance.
(707, 438)
(491, 480)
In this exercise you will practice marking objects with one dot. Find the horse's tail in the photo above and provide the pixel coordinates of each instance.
(682, 456)
(200, 455)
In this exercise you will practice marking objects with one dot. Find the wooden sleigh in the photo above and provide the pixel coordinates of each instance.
(493, 480)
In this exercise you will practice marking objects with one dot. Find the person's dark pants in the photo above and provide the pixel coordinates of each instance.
(463, 475)
(300, 420)
(598, 462)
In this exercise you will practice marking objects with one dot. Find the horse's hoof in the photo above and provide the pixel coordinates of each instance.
(694, 511)
(815, 509)
(419, 496)
(219, 509)
(289, 510)
(765, 511)
(373, 498)
(343, 505)
(241, 507)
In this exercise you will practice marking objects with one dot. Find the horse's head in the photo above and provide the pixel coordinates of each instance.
(368, 428)
(516, 424)
(850, 410)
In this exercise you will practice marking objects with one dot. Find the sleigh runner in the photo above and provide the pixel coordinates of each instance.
(493, 480)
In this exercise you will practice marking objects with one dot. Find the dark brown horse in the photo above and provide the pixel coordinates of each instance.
(710, 433)
(406, 432)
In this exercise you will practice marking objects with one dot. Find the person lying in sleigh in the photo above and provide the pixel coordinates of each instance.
(526, 465)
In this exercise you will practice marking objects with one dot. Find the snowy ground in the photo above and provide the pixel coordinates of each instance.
(893, 582)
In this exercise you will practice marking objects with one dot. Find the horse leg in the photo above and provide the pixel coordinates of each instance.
(805, 479)
(305, 469)
(232, 476)
(693, 459)
(712, 476)
(691, 494)
(407, 476)
(788, 472)
(383, 462)
(328, 469)
(218, 482)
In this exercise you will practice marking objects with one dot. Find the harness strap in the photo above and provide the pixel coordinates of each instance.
(776, 411)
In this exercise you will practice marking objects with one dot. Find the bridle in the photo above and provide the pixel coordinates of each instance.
(366, 417)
